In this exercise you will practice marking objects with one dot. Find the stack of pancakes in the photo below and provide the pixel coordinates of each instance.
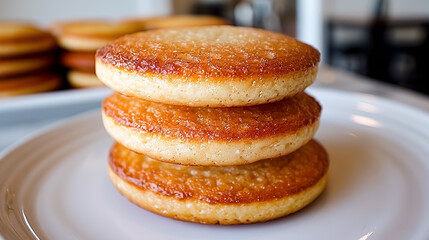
(26, 60)
(80, 40)
(212, 124)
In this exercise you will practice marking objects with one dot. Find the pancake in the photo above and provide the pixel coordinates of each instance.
(89, 35)
(81, 61)
(250, 193)
(22, 39)
(33, 83)
(211, 136)
(78, 79)
(19, 66)
(217, 66)
(177, 21)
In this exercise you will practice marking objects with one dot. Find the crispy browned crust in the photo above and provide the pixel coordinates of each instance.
(257, 182)
(221, 124)
(82, 61)
(199, 211)
(216, 53)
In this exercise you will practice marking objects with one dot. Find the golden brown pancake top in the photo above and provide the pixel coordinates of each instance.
(224, 124)
(218, 53)
(261, 181)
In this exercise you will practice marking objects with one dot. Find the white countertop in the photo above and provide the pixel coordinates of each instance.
(21, 117)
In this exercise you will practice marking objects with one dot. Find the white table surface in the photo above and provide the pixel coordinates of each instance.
(21, 117)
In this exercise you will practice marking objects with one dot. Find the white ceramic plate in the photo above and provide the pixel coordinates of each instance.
(25, 114)
(55, 186)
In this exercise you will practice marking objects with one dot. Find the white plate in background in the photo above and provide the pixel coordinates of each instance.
(23, 115)
(55, 185)
(50, 104)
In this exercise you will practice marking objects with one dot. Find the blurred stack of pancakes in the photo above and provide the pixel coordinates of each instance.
(80, 40)
(212, 123)
(176, 21)
(26, 60)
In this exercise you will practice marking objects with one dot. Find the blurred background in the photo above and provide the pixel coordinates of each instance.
(387, 41)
